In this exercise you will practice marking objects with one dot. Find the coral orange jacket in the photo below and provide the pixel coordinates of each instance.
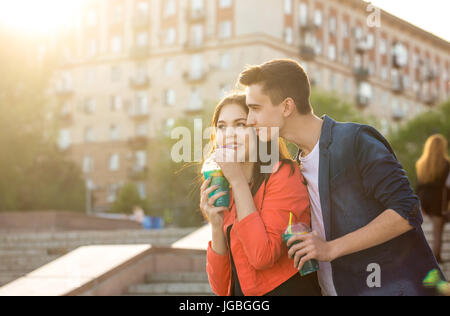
(257, 246)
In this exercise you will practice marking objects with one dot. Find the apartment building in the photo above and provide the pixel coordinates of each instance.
(130, 67)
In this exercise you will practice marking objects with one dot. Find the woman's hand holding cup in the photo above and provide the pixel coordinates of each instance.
(212, 213)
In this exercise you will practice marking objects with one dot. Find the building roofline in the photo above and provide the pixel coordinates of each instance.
(361, 4)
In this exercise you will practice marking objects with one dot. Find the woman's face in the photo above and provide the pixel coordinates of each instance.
(232, 132)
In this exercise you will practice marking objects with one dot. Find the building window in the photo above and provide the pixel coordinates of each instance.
(114, 162)
(169, 97)
(382, 47)
(91, 47)
(347, 86)
(169, 67)
(114, 133)
(89, 136)
(288, 7)
(142, 130)
(303, 11)
(112, 192)
(141, 105)
(332, 52)
(142, 189)
(141, 159)
(332, 26)
(196, 66)
(89, 106)
(345, 31)
(196, 101)
(115, 73)
(170, 8)
(225, 61)
(196, 6)
(225, 3)
(197, 35)
(288, 38)
(116, 103)
(116, 44)
(224, 89)
(142, 39)
(170, 36)
(318, 18)
(88, 164)
(64, 139)
(225, 29)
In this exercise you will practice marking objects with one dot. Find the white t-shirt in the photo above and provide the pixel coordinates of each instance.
(310, 172)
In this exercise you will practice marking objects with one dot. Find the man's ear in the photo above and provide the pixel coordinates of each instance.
(289, 107)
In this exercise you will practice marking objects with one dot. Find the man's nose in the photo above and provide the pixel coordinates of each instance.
(251, 120)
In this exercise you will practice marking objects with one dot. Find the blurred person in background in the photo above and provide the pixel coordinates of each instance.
(433, 183)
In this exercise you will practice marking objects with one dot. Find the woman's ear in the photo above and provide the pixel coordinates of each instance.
(289, 107)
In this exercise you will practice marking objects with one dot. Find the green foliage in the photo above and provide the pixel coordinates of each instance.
(34, 174)
(127, 199)
(408, 141)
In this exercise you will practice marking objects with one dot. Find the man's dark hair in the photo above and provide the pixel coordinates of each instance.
(281, 79)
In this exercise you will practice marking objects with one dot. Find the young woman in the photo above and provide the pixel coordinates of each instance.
(247, 255)
(433, 169)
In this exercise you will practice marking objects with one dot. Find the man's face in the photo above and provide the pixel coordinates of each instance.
(264, 116)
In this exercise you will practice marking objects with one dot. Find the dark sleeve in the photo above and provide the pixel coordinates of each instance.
(383, 177)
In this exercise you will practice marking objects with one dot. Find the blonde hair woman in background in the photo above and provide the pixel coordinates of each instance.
(433, 170)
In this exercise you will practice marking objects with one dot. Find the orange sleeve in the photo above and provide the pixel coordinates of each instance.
(261, 232)
(218, 269)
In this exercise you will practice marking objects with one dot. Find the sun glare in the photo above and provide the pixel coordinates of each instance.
(38, 16)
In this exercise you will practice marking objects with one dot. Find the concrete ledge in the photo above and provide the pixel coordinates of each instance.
(104, 270)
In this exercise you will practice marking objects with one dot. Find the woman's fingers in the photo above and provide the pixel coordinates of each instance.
(205, 184)
(216, 196)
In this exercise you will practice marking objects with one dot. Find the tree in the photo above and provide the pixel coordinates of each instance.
(408, 141)
(127, 199)
(34, 174)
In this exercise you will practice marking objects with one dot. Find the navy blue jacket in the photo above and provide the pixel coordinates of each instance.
(359, 178)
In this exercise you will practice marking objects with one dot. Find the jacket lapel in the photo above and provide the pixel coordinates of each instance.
(324, 173)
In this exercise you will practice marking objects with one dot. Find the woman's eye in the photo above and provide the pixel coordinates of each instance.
(241, 125)
(220, 127)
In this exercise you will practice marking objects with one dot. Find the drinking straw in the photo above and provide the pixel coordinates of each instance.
(290, 223)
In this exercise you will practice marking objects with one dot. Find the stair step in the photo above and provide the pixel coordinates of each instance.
(184, 277)
(170, 288)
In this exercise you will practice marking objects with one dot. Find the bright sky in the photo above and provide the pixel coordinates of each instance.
(37, 16)
(430, 15)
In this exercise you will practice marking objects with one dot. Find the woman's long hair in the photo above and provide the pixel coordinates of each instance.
(258, 177)
(434, 160)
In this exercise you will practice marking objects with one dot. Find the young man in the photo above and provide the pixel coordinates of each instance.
(366, 219)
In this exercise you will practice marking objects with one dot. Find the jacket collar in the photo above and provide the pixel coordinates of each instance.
(326, 137)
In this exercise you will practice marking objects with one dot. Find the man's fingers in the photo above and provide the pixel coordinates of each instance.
(305, 259)
(297, 238)
(299, 254)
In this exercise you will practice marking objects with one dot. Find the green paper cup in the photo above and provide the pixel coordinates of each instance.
(219, 180)
(309, 266)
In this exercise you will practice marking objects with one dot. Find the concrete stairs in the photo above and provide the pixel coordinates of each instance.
(173, 284)
(23, 253)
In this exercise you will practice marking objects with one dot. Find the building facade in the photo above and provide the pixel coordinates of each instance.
(130, 67)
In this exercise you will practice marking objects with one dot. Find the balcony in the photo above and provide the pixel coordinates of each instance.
(66, 119)
(139, 115)
(141, 20)
(140, 82)
(430, 99)
(308, 26)
(195, 77)
(307, 52)
(138, 52)
(137, 172)
(138, 142)
(398, 84)
(361, 73)
(398, 115)
(362, 101)
(194, 109)
(195, 16)
(194, 45)
(64, 91)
